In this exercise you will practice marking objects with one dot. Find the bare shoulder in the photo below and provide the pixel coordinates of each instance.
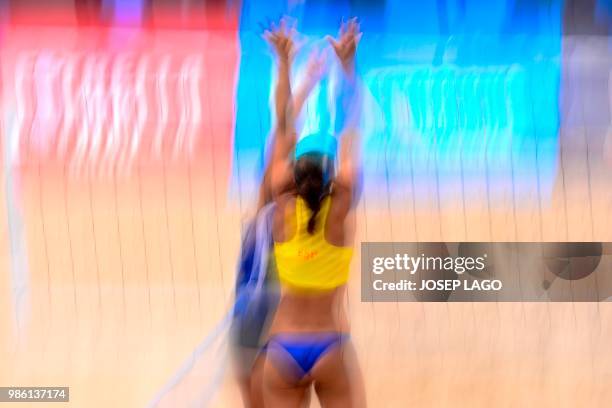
(336, 231)
(284, 203)
(341, 201)
(284, 200)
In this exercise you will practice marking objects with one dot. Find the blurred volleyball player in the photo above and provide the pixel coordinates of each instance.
(313, 227)
(255, 308)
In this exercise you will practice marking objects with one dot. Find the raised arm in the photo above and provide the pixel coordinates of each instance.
(276, 173)
(315, 70)
(348, 108)
(278, 176)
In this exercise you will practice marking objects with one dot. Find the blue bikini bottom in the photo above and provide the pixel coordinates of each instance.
(299, 352)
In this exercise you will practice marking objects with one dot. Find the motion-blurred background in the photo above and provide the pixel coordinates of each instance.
(134, 135)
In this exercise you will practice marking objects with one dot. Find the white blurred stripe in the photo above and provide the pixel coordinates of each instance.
(20, 278)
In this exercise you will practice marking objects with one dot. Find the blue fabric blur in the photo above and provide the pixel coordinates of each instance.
(256, 297)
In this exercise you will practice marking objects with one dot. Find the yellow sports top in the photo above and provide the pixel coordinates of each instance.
(309, 262)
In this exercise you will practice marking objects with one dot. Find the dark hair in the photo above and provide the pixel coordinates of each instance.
(312, 175)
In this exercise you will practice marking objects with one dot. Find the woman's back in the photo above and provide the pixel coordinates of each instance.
(307, 260)
(313, 268)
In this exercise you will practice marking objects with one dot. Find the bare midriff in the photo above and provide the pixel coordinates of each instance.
(310, 312)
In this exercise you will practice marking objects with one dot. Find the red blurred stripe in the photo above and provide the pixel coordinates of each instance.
(219, 56)
(211, 15)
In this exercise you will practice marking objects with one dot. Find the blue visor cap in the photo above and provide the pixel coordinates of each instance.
(321, 143)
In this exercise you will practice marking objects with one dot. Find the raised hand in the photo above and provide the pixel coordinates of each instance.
(281, 38)
(316, 67)
(345, 45)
